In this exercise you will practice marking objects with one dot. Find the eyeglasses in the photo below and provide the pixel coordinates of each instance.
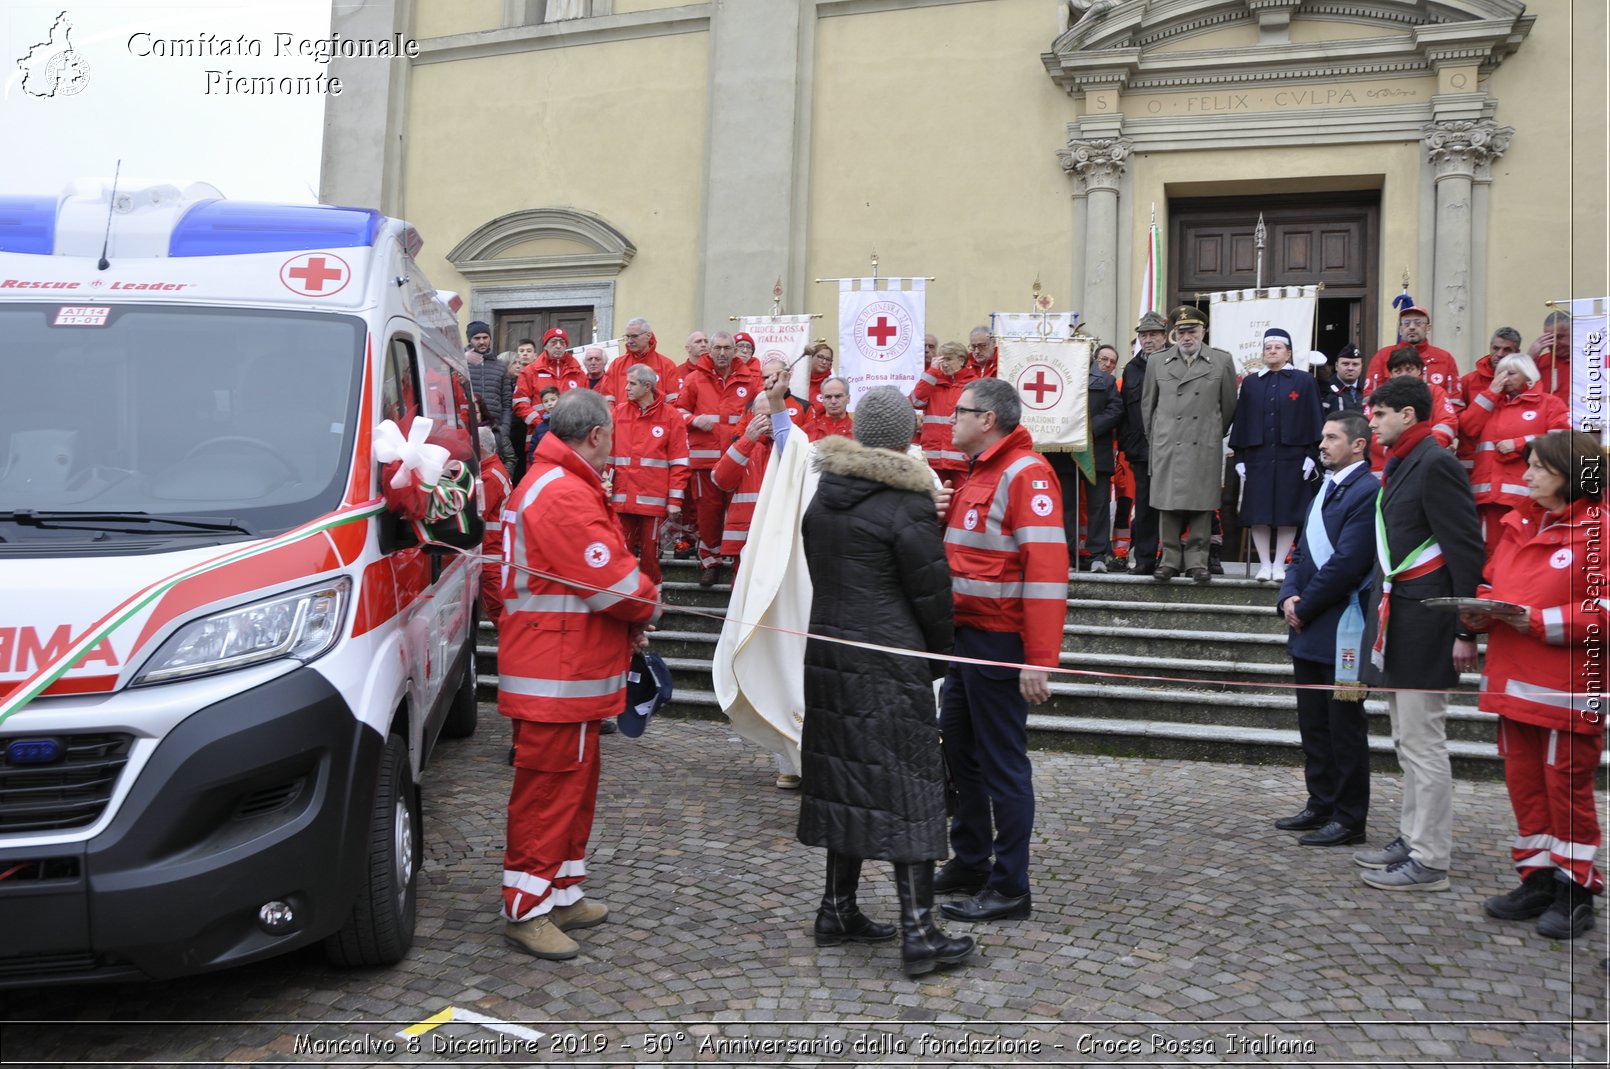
(959, 409)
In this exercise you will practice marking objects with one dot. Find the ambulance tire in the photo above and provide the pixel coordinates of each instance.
(466, 707)
(381, 927)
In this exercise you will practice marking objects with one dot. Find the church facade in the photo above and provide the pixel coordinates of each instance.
(571, 161)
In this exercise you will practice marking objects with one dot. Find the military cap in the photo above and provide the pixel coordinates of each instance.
(1152, 321)
(1188, 315)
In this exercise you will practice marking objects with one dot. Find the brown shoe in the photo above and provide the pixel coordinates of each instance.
(707, 576)
(1200, 574)
(580, 914)
(1165, 572)
(541, 938)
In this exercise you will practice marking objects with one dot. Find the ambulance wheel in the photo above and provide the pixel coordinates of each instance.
(462, 714)
(381, 927)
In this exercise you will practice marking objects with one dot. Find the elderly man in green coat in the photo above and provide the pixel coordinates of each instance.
(1187, 406)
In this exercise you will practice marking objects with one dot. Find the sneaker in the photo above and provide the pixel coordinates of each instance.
(1408, 875)
(1389, 855)
(541, 938)
(787, 781)
(1263, 574)
(1098, 567)
(584, 913)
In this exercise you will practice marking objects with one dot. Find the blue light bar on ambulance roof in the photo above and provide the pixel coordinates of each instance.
(28, 224)
(233, 228)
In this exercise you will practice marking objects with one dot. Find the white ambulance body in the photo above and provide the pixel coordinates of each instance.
(223, 663)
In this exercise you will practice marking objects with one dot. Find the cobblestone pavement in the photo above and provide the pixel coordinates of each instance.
(1172, 924)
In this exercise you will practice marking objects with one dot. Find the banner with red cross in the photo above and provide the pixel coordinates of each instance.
(880, 333)
(1052, 376)
(1238, 318)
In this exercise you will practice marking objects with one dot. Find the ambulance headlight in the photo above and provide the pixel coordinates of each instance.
(302, 624)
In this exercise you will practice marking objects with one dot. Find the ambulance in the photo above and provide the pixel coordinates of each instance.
(230, 633)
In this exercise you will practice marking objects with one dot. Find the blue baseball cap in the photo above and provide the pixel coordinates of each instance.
(648, 688)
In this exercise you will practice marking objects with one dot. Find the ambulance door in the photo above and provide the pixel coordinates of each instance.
(410, 564)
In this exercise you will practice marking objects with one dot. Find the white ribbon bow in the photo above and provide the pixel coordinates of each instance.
(415, 453)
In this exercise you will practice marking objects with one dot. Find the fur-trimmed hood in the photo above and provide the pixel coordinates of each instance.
(850, 459)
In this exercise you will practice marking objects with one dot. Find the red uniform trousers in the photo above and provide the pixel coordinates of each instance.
(550, 816)
(712, 515)
(643, 539)
(1550, 778)
(492, 590)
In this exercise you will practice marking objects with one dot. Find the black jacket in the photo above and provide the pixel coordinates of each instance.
(493, 384)
(1132, 429)
(1106, 413)
(874, 780)
(1426, 496)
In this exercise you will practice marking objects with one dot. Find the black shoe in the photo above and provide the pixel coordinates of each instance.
(988, 905)
(607, 727)
(1144, 567)
(955, 878)
(1571, 913)
(708, 576)
(840, 920)
(1303, 821)
(1215, 560)
(1334, 833)
(1200, 574)
(1531, 899)
(924, 946)
(1165, 572)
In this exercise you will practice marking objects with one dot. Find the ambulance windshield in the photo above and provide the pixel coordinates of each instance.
(179, 411)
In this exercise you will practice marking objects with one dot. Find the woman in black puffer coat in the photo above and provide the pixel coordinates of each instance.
(874, 778)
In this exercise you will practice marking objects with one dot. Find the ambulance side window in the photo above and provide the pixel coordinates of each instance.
(440, 402)
(399, 396)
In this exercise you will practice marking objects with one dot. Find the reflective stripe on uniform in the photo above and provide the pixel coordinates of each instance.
(1003, 494)
(704, 454)
(531, 495)
(615, 592)
(1553, 626)
(980, 588)
(1484, 401)
(958, 536)
(534, 687)
(652, 462)
(739, 499)
(1559, 699)
(641, 500)
(937, 419)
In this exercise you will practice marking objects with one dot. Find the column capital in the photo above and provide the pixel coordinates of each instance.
(1095, 163)
(1464, 147)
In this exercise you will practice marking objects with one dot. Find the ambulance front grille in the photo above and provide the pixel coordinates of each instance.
(69, 791)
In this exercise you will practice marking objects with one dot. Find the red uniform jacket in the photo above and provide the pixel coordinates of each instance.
(1556, 375)
(1441, 370)
(740, 472)
(817, 378)
(1008, 554)
(706, 393)
(1553, 675)
(564, 646)
(935, 397)
(496, 488)
(822, 426)
(670, 372)
(651, 459)
(565, 375)
(1499, 478)
(1475, 381)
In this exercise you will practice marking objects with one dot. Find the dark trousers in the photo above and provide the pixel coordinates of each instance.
(1336, 748)
(984, 719)
(1143, 530)
(1095, 500)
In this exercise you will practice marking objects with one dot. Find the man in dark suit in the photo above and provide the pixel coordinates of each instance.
(1105, 407)
(1334, 562)
(1345, 391)
(1432, 549)
(1152, 334)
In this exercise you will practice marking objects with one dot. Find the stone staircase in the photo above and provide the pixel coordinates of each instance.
(1160, 657)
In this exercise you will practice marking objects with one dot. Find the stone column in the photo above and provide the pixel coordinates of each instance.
(1097, 165)
(1454, 150)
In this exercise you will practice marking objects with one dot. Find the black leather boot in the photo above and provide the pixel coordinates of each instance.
(1215, 560)
(924, 947)
(1571, 913)
(840, 920)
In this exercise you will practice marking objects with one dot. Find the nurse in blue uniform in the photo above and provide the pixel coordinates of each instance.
(1275, 438)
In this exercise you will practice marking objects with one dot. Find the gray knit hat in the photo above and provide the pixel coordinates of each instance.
(884, 419)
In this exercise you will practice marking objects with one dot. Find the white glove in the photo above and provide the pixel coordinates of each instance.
(1308, 466)
(1241, 471)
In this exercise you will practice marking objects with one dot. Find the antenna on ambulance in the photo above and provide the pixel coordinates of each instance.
(110, 204)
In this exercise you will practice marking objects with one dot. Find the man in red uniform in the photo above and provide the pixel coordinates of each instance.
(496, 488)
(651, 467)
(563, 655)
(982, 354)
(1552, 354)
(716, 392)
(640, 349)
(834, 418)
(555, 367)
(1009, 567)
(1441, 369)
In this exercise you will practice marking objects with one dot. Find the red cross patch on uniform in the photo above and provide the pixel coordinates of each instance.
(1041, 504)
(970, 521)
(596, 555)
(1562, 558)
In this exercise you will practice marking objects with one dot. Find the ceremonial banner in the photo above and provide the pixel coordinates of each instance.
(782, 338)
(1588, 397)
(1151, 284)
(1052, 376)
(880, 333)
(1238, 318)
